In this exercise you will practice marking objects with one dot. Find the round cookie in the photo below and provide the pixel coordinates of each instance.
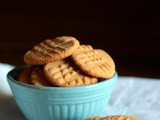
(65, 73)
(25, 75)
(38, 78)
(94, 62)
(51, 50)
(116, 117)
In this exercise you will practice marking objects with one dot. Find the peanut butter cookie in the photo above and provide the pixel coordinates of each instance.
(118, 117)
(25, 75)
(38, 78)
(65, 73)
(94, 62)
(51, 50)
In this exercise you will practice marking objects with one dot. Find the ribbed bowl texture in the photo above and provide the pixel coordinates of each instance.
(60, 103)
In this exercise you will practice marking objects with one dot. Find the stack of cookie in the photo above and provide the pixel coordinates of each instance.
(63, 62)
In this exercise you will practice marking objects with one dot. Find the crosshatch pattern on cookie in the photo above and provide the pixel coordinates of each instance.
(51, 50)
(83, 48)
(65, 73)
(94, 62)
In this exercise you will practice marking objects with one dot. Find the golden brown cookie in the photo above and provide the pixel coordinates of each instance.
(38, 78)
(83, 48)
(51, 50)
(65, 73)
(118, 117)
(94, 62)
(25, 75)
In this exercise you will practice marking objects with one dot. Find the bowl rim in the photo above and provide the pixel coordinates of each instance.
(99, 84)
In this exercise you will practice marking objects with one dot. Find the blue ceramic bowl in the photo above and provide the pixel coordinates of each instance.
(60, 103)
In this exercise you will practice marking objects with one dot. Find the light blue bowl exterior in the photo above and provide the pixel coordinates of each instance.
(60, 103)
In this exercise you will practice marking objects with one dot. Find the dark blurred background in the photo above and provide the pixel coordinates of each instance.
(129, 30)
